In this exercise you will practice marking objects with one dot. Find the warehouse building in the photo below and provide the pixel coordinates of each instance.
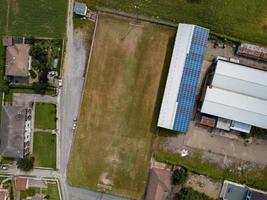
(237, 97)
(180, 90)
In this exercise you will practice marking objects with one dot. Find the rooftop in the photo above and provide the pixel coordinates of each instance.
(21, 184)
(12, 131)
(159, 186)
(180, 90)
(80, 8)
(238, 93)
(17, 60)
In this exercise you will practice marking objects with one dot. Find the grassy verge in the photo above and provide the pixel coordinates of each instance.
(243, 19)
(45, 116)
(44, 149)
(256, 178)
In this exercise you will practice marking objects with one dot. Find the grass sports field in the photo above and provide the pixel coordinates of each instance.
(243, 19)
(42, 18)
(112, 147)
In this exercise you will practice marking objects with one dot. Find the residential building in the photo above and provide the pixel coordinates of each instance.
(159, 185)
(237, 96)
(235, 191)
(80, 8)
(12, 131)
(180, 89)
(17, 62)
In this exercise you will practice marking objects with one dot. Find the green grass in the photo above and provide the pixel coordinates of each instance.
(43, 18)
(112, 147)
(45, 116)
(52, 191)
(243, 19)
(44, 149)
(256, 177)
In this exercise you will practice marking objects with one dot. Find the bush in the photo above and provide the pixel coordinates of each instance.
(179, 176)
(25, 164)
(33, 74)
(190, 194)
(40, 88)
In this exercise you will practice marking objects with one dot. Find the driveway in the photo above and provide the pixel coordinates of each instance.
(25, 99)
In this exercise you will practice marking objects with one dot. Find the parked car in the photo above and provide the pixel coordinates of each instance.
(74, 126)
(60, 82)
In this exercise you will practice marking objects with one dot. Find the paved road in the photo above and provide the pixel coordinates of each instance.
(23, 99)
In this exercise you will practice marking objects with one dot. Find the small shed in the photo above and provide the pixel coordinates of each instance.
(7, 41)
(80, 8)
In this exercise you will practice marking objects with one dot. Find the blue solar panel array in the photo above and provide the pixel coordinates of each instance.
(189, 81)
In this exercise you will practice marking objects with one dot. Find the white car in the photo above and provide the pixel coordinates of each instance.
(74, 126)
(60, 82)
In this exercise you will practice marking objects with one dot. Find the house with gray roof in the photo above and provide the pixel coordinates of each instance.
(17, 62)
(80, 8)
(159, 185)
(235, 191)
(12, 131)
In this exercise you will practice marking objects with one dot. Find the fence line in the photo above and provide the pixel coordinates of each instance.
(136, 16)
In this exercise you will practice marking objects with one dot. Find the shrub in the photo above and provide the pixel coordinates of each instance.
(190, 194)
(40, 88)
(179, 176)
(33, 74)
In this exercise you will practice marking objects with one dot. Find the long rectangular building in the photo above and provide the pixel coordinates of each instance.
(237, 93)
(180, 90)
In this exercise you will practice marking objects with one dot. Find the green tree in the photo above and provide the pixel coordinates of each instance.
(179, 176)
(25, 164)
(190, 194)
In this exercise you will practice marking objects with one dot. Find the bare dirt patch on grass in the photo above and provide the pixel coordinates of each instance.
(112, 147)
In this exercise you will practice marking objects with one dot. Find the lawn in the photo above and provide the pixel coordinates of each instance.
(243, 19)
(45, 116)
(44, 149)
(112, 146)
(42, 18)
(52, 191)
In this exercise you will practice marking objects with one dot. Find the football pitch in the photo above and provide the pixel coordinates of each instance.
(112, 146)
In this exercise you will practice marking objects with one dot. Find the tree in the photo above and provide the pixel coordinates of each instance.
(40, 87)
(25, 164)
(189, 194)
(179, 176)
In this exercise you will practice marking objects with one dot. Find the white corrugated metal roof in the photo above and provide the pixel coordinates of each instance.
(240, 79)
(181, 48)
(235, 106)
